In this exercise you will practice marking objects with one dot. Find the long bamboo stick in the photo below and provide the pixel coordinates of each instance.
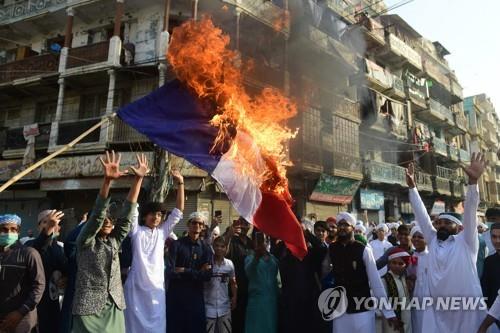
(54, 154)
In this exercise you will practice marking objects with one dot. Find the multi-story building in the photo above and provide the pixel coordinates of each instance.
(372, 95)
(484, 129)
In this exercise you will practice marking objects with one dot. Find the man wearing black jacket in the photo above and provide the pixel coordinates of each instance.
(22, 279)
(53, 259)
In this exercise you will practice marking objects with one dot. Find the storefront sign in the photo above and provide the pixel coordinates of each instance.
(373, 200)
(335, 189)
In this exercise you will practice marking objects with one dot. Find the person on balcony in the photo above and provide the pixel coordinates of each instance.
(98, 303)
(452, 254)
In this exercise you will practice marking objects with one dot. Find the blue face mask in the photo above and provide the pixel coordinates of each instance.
(8, 238)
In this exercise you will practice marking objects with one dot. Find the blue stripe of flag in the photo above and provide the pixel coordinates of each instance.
(176, 120)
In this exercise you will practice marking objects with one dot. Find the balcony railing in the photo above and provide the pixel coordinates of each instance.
(385, 123)
(330, 45)
(441, 111)
(464, 156)
(44, 64)
(457, 189)
(424, 181)
(264, 11)
(453, 153)
(449, 174)
(442, 185)
(349, 109)
(404, 50)
(461, 121)
(123, 133)
(435, 73)
(398, 87)
(377, 76)
(343, 8)
(27, 8)
(456, 91)
(380, 172)
(15, 139)
(69, 130)
(346, 164)
(440, 146)
(490, 137)
(88, 54)
(374, 30)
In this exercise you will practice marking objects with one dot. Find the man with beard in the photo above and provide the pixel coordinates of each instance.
(452, 255)
(355, 270)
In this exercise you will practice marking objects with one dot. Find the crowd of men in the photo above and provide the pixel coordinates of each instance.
(129, 272)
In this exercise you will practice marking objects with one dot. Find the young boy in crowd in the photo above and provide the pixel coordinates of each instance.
(394, 282)
(218, 305)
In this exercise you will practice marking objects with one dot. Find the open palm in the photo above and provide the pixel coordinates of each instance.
(111, 166)
(142, 167)
(476, 168)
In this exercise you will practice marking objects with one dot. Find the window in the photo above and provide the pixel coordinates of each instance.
(93, 106)
(46, 111)
(346, 136)
(311, 127)
(10, 117)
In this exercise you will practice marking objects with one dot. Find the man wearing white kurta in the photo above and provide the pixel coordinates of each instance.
(381, 244)
(421, 288)
(452, 257)
(145, 285)
(355, 270)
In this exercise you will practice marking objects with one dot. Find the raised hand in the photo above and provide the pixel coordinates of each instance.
(410, 176)
(176, 174)
(142, 167)
(51, 221)
(476, 168)
(111, 166)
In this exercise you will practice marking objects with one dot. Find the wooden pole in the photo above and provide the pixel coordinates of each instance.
(51, 156)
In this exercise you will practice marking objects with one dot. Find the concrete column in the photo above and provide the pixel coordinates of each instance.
(162, 69)
(194, 11)
(107, 129)
(54, 129)
(63, 57)
(111, 91)
(115, 44)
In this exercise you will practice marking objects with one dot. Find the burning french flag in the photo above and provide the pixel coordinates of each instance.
(206, 117)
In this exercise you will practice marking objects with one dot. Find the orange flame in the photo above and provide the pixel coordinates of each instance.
(201, 58)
